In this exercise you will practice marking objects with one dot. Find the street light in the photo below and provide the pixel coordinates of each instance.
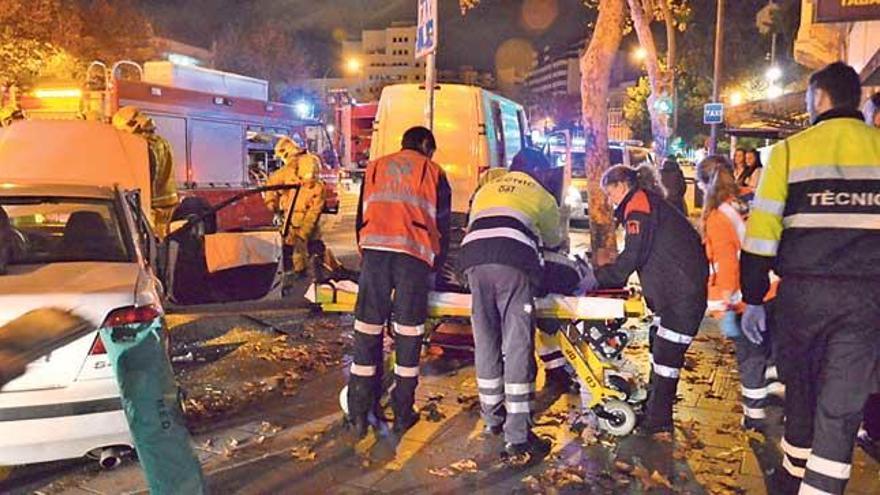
(773, 74)
(353, 65)
(736, 98)
(639, 54)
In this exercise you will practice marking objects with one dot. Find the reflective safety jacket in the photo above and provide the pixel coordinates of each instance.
(511, 219)
(162, 180)
(279, 201)
(307, 212)
(817, 209)
(663, 247)
(405, 207)
(725, 231)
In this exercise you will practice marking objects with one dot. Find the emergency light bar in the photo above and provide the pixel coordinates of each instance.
(58, 93)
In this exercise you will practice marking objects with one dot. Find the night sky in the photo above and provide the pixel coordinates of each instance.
(469, 40)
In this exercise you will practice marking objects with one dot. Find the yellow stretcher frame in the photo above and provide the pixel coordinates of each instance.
(607, 400)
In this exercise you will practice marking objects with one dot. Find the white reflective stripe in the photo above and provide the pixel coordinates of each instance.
(519, 388)
(754, 393)
(797, 472)
(554, 363)
(500, 232)
(362, 370)
(500, 211)
(735, 219)
(827, 467)
(754, 413)
(771, 373)
(666, 371)
(368, 328)
(796, 452)
(776, 388)
(406, 371)
(868, 221)
(375, 241)
(673, 336)
(867, 172)
(409, 330)
(770, 206)
(811, 490)
(490, 382)
(517, 407)
(491, 399)
(398, 197)
(762, 247)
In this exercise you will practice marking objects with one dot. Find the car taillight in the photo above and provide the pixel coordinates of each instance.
(98, 347)
(132, 314)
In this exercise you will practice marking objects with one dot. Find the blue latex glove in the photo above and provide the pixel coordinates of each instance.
(754, 323)
(730, 325)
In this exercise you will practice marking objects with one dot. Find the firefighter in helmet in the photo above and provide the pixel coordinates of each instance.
(164, 198)
(300, 168)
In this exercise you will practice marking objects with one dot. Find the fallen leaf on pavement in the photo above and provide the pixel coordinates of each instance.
(303, 453)
(623, 467)
(658, 479)
(465, 466)
(441, 472)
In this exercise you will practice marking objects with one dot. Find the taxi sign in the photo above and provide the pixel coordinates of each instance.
(713, 113)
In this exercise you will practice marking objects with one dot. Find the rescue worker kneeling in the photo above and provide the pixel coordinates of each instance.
(403, 233)
(511, 219)
(668, 254)
(295, 158)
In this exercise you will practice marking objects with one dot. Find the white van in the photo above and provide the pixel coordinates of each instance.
(475, 130)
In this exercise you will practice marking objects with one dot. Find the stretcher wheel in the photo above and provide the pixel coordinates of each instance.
(343, 399)
(621, 420)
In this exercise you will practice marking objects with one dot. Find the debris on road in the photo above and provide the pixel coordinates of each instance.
(454, 469)
(303, 453)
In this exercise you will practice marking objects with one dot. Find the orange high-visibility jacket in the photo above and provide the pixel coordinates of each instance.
(404, 207)
(725, 231)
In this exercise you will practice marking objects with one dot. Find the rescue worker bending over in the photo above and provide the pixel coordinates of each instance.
(666, 251)
(556, 377)
(164, 198)
(294, 158)
(816, 221)
(511, 219)
(403, 234)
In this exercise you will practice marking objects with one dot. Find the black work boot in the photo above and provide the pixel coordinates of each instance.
(533, 449)
(558, 381)
(404, 421)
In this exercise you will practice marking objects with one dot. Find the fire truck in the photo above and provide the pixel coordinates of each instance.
(221, 126)
(355, 124)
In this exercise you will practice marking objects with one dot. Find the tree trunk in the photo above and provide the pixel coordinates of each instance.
(659, 77)
(596, 63)
(671, 60)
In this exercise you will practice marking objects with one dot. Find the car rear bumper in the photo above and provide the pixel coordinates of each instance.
(54, 424)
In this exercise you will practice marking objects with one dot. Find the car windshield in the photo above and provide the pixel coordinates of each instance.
(62, 230)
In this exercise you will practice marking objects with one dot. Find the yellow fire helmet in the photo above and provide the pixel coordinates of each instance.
(286, 149)
(126, 119)
(144, 124)
(308, 168)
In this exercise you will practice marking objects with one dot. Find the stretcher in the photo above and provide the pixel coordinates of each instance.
(593, 332)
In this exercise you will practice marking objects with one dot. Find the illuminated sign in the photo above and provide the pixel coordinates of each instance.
(426, 31)
(847, 10)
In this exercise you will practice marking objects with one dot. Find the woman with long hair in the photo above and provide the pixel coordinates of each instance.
(748, 181)
(723, 227)
(739, 163)
(665, 250)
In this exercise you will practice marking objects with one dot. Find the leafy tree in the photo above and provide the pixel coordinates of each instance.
(58, 38)
(267, 51)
